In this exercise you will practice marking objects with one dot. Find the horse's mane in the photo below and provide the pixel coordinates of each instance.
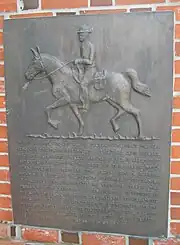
(57, 63)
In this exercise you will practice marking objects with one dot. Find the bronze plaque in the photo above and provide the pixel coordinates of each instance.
(89, 121)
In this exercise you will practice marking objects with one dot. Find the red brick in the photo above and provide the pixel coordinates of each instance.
(5, 188)
(177, 84)
(105, 11)
(171, 241)
(140, 9)
(175, 183)
(176, 102)
(1, 70)
(40, 235)
(55, 4)
(177, 48)
(15, 242)
(4, 161)
(177, 66)
(175, 168)
(175, 198)
(32, 15)
(5, 202)
(176, 135)
(175, 151)
(1, 54)
(175, 9)
(6, 215)
(4, 229)
(4, 175)
(2, 117)
(176, 119)
(1, 22)
(177, 30)
(1, 38)
(3, 146)
(101, 2)
(175, 213)
(2, 89)
(175, 228)
(8, 6)
(97, 239)
(124, 2)
(2, 102)
(135, 241)
(3, 132)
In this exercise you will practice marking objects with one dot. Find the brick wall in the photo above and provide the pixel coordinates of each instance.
(21, 235)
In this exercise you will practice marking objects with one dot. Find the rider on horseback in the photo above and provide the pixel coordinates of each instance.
(86, 64)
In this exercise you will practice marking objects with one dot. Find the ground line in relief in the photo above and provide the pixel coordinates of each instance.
(90, 137)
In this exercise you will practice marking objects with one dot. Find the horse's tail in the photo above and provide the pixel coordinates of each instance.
(136, 84)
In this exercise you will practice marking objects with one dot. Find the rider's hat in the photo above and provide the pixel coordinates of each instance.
(84, 29)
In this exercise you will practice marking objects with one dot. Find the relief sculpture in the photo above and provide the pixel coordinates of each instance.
(80, 84)
(89, 121)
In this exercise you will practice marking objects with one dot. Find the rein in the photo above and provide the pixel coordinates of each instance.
(52, 72)
(47, 74)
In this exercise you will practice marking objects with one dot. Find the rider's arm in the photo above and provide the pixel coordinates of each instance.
(88, 61)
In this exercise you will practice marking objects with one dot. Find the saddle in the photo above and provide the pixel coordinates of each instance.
(100, 79)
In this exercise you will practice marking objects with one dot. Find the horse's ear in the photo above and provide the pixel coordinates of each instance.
(34, 52)
(38, 49)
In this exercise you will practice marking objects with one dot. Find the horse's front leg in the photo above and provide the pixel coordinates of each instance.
(58, 103)
(48, 113)
(75, 110)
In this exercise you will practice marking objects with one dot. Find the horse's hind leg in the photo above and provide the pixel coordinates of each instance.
(128, 107)
(113, 122)
(75, 110)
(58, 103)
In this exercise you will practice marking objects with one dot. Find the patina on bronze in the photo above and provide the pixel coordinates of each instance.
(89, 119)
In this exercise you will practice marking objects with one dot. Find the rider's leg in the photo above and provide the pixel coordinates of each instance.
(84, 94)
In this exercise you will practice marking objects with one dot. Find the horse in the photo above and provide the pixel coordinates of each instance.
(110, 87)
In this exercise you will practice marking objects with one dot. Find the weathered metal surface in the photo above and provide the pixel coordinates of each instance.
(89, 119)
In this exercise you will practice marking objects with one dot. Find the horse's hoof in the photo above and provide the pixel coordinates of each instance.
(80, 133)
(116, 128)
(53, 124)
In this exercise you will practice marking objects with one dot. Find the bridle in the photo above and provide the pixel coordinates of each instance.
(52, 72)
(45, 71)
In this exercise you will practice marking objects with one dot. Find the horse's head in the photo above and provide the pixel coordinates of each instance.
(36, 67)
